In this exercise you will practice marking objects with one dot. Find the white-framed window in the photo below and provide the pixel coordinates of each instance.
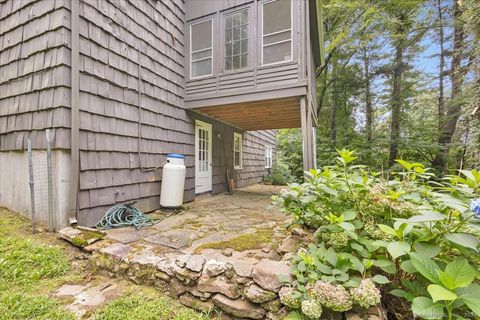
(201, 49)
(268, 156)
(236, 40)
(276, 31)
(237, 150)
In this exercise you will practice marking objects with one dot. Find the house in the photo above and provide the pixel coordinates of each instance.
(122, 83)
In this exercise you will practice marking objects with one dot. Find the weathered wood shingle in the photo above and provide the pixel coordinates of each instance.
(34, 73)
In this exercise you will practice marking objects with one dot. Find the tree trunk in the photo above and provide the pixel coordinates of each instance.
(441, 99)
(457, 76)
(396, 99)
(368, 102)
(334, 105)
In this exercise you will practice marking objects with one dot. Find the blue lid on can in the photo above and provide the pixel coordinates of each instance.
(175, 155)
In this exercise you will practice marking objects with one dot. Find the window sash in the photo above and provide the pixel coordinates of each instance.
(236, 40)
(237, 151)
(268, 156)
(265, 36)
(196, 58)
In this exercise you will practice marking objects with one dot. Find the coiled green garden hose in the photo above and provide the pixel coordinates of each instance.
(125, 215)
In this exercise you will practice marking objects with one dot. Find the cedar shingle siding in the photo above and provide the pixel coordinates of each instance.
(34, 73)
(125, 46)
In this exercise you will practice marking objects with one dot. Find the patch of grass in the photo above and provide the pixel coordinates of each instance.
(248, 241)
(24, 261)
(146, 304)
(28, 270)
(21, 306)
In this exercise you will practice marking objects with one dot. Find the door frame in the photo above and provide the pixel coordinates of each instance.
(208, 127)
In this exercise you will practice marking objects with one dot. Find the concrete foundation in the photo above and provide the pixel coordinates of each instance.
(15, 189)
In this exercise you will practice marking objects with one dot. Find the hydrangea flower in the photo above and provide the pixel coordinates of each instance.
(287, 297)
(334, 297)
(475, 207)
(366, 294)
(311, 309)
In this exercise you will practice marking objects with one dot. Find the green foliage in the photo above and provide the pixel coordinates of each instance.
(289, 152)
(279, 174)
(18, 305)
(147, 306)
(25, 261)
(412, 233)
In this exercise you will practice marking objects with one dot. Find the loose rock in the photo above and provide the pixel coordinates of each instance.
(266, 274)
(258, 295)
(239, 308)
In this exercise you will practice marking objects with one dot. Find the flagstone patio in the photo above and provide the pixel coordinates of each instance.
(211, 222)
(223, 252)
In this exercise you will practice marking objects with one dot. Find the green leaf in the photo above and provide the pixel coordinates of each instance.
(408, 267)
(466, 240)
(385, 265)
(427, 249)
(380, 279)
(438, 293)
(458, 274)
(387, 229)
(398, 248)
(331, 257)
(402, 294)
(471, 296)
(427, 217)
(301, 266)
(425, 308)
(349, 215)
(425, 266)
(347, 226)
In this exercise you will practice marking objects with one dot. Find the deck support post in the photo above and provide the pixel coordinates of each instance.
(307, 135)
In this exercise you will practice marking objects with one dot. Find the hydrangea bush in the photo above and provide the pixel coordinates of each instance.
(411, 234)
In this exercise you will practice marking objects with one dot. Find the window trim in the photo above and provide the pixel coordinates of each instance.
(276, 32)
(235, 135)
(210, 48)
(268, 156)
(252, 37)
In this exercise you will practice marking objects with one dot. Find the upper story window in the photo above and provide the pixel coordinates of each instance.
(276, 31)
(236, 40)
(201, 49)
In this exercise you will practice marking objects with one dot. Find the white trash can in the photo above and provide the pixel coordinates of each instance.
(173, 181)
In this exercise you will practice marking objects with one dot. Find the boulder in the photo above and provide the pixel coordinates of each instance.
(215, 268)
(195, 263)
(195, 303)
(239, 308)
(176, 287)
(258, 295)
(267, 274)
(219, 284)
(289, 244)
(241, 268)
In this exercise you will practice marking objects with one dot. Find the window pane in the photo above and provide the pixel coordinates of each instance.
(276, 16)
(202, 54)
(244, 61)
(202, 67)
(237, 159)
(277, 37)
(201, 35)
(236, 40)
(277, 52)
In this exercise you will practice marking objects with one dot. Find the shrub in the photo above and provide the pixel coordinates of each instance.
(415, 236)
(279, 174)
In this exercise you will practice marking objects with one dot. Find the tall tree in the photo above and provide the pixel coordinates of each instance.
(457, 76)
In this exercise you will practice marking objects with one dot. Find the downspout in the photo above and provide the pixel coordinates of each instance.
(75, 113)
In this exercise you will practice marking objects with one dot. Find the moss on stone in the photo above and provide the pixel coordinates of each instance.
(85, 238)
(248, 241)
